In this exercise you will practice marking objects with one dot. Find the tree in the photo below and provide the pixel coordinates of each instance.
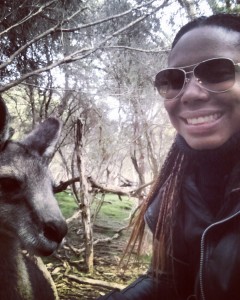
(32, 34)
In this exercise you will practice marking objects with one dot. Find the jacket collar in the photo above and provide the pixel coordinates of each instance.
(232, 197)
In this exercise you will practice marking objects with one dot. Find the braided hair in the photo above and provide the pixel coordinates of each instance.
(172, 173)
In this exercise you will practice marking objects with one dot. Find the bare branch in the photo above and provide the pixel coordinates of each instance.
(16, 53)
(77, 55)
(40, 36)
(103, 188)
(27, 17)
(108, 189)
(95, 282)
(117, 16)
(138, 49)
(64, 185)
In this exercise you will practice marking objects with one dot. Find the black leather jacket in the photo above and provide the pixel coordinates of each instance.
(206, 250)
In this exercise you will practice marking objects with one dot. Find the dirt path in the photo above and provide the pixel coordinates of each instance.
(71, 280)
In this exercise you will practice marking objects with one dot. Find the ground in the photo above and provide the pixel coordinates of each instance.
(67, 267)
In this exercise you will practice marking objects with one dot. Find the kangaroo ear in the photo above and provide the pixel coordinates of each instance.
(44, 137)
(4, 122)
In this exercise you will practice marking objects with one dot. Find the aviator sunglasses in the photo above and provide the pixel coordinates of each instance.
(216, 75)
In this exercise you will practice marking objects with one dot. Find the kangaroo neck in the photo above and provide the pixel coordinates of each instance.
(13, 270)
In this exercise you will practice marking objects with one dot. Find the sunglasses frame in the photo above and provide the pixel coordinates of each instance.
(198, 80)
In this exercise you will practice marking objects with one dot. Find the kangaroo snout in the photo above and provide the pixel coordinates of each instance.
(55, 230)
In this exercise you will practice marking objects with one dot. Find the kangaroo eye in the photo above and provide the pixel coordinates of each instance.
(9, 184)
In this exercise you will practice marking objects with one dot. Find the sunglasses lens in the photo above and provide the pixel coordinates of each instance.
(170, 82)
(216, 75)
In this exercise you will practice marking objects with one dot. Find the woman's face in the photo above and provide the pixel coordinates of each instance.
(206, 120)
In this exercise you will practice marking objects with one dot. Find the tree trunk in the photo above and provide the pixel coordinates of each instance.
(84, 198)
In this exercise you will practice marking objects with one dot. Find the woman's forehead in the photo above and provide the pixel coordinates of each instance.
(203, 43)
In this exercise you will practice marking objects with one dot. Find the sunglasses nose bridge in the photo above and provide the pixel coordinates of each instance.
(188, 77)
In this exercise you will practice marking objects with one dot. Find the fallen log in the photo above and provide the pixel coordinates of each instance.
(96, 282)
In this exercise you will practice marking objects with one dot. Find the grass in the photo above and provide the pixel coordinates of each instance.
(113, 208)
(66, 203)
(113, 214)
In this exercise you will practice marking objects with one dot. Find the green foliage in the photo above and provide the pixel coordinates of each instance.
(114, 213)
(225, 6)
(114, 208)
(67, 203)
(146, 258)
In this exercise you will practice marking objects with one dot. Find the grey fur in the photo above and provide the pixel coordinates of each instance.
(29, 214)
(4, 120)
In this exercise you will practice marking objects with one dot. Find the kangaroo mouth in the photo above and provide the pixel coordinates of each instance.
(45, 246)
(42, 238)
(39, 245)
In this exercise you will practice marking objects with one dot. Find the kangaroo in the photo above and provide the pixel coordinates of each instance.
(30, 218)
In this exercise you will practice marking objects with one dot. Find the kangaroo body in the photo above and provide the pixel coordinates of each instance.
(30, 218)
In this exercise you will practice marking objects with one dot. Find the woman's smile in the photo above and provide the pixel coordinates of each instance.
(203, 119)
(200, 123)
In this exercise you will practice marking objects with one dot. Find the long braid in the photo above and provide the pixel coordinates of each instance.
(162, 240)
(170, 176)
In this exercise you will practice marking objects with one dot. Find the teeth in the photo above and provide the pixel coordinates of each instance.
(201, 120)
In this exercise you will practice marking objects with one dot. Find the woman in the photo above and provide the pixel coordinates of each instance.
(194, 207)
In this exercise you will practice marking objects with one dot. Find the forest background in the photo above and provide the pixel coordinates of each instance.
(91, 63)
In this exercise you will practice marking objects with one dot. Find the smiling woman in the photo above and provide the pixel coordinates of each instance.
(193, 209)
(206, 111)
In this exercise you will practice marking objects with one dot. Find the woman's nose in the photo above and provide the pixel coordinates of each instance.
(193, 91)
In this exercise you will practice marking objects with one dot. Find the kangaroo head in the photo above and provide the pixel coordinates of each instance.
(29, 212)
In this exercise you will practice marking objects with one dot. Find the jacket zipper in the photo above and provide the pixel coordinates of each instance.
(202, 250)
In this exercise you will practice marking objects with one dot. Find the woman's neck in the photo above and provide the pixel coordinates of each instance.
(211, 169)
(222, 158)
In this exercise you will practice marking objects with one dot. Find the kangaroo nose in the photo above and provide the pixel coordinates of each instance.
(55, 231)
